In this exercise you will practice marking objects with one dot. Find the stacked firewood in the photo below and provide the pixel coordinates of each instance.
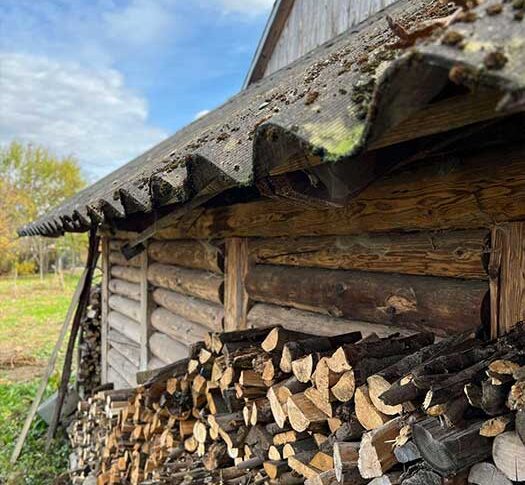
(277, 406)
(88, 376)
(96, 418)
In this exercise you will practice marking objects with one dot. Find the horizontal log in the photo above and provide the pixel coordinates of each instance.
(166, 349)
(125, 288)
(419, 302)
(118, 381)
(195, 309)
(264, 315)
(123, 366)
(126, 273)
(155, 363)
(192, 282)
(117, 258)
(471, 191)
(190, 254)
(127, 347)
(127, 307)
(125, 325)
(453, 254)
(177, 327)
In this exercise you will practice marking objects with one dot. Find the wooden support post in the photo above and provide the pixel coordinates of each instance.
(104, 248)
(146, 303)
(235, 295)
(507, 277)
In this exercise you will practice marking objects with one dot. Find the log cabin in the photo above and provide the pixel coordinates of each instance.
(369, 176)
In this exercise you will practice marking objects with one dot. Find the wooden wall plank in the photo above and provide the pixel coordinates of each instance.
(235, 295)
(507, 277)
(146, 304)
(465, 192)
(440, 304)
(104, 256)
(456, 254)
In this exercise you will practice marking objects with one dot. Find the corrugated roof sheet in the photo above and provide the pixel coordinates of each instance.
(327, 106)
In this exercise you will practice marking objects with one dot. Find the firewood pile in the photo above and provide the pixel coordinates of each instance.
(88, 376)
(282, 407)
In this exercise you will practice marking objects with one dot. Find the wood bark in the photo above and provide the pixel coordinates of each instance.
(190, 254)
(192, 282)
(177, 327)
(451, 254)
(194, 309)
(441, 304)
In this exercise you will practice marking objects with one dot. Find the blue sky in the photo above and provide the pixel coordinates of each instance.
(106, 79)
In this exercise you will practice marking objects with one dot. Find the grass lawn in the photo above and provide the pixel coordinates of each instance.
(31, 315)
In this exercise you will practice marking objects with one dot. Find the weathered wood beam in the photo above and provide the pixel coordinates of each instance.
(465, 192)
(177, 327)
(195, 309)
(202, 255)
(235, 296)
(507, 277)
(420, 302)
(167, 349)
(454, 253)
(146, 307)
(192, 282)
(104, 297)
(129, 327)
(264, 315)
(125, 288)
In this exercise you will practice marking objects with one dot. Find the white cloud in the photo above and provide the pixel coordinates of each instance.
(248, 7)
(73, 110)
(200, 114)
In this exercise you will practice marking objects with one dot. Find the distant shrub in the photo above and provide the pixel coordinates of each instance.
(25, 268)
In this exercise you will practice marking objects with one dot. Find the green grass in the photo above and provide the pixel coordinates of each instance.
(31, 315)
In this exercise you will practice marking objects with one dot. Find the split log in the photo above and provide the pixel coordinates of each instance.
(508, 453)
(126, 273)
(125, 325)
(346, 455)
(486, 473)
(450, 450)
(278, 396)
(413, 301)
(125, 346)
(177, 327)
(451, 254)
(376, 455)
(366, 412)
(302, 412)
(263, 315)
(167, 349)
(194, 309)
(192, 282)
(125, 306)
(196, 254)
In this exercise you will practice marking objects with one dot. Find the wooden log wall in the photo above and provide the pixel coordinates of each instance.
(121, 316)
(186, 282)
(411, 252)
(159, 303)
